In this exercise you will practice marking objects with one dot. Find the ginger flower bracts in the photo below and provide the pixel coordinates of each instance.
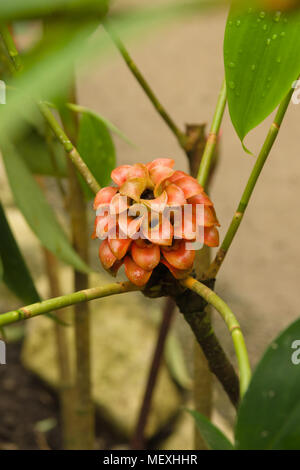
(153, 215)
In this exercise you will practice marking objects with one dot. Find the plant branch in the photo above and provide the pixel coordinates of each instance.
(138, 440)
(257, 169)
(11, 47)
(181, 137)
(69, 147)
(24, 313)
(193, 307)
(208, 154)
(232, 324)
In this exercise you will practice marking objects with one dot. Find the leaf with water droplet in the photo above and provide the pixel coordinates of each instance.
(269, 415)
(271, 45)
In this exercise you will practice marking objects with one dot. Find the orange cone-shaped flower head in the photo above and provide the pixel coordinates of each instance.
(153, 215)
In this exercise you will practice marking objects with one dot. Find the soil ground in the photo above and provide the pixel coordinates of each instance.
(25, 401)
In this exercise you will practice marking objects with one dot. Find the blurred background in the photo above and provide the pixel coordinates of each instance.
(183, 62)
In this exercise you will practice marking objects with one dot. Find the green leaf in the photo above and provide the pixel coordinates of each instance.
(213, 437)
(96, 147)
(20, 9)
(39, 158)
(15, 272)
(262, 60)
(82, 109)
(36, 210)
(269, 415)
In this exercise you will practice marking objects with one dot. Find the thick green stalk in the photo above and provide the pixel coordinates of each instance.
(84, 432)
(24, 313)
(257, 169)
(232, 324)
(66, 396)
(145, 86)
(210, 147)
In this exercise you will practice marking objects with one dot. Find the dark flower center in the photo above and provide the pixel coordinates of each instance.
(147, 194)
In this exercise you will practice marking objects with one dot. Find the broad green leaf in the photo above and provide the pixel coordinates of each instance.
(38, 156)
(96, 147)
(82, 109)
(36, 210)
(262, 60)
(15, 272)
(212, 436)
(269, 415)
(20, 9)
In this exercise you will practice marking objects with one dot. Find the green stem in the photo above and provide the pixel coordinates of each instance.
(208, 154)
(11, 47)
(65, 301)
(257, 169)
(69, 147)
(232, 324)
(145, 86)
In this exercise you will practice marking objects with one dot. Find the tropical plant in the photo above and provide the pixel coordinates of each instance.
(44, 131)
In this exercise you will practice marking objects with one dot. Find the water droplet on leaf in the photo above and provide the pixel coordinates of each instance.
(277, 16)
